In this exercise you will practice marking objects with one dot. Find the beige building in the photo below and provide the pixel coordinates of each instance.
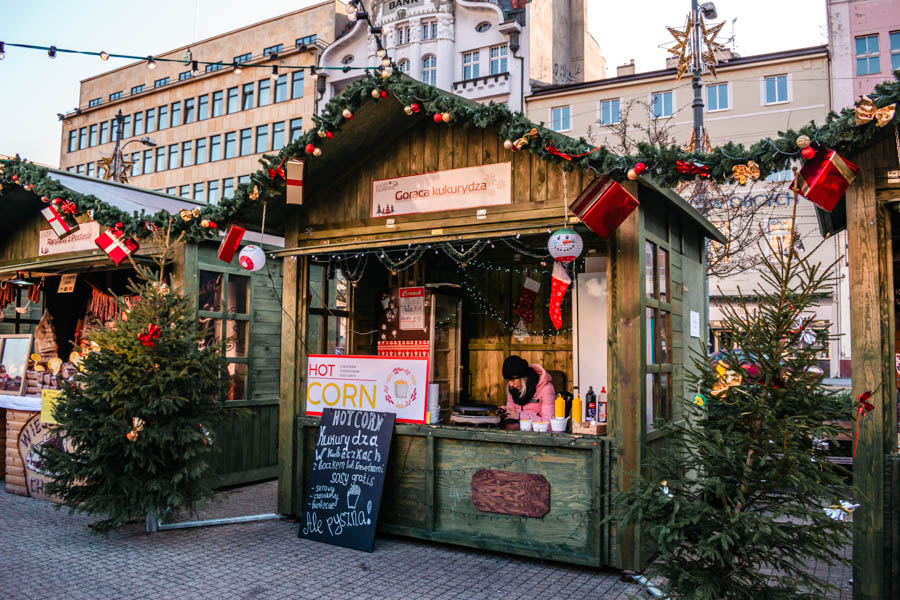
(752, 97)
(211, 125)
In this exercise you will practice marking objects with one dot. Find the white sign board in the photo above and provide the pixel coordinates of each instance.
(695, 324)
(471, 187)
(412, 308)
(67, 284)
(373, 383)
(83, 239)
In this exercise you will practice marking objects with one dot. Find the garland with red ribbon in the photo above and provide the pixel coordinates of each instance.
(692, 168)
(863, 407)
(148, 336)
(556, 152)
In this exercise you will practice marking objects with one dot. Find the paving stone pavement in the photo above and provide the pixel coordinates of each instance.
(47, 554)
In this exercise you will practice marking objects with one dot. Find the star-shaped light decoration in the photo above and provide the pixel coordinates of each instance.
(708, 46)
(124, 168)
(681, 49)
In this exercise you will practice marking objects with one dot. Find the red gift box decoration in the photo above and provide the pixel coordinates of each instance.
(231, 242)
(295, 181)
(824, 178)
(62, 224)
(116, 245)
(603, 205)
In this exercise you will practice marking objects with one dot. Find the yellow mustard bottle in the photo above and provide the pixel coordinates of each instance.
(560, 407)
(576, 409)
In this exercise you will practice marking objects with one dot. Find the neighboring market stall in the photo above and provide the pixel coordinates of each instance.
(54, 289)
(420, 238)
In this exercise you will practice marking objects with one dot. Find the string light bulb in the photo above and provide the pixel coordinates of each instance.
(386, 62)
(2, 51)
(352, 17)
(351, 7)
(382, 53)
(52, 52)
(237, 67)
(274, 71)
(104, 55)
(195, 66)
(151, 64)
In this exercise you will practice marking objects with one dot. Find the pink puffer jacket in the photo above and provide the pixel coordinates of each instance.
(542, 406)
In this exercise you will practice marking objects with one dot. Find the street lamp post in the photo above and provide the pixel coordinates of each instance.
(117, 160)
(699, 11)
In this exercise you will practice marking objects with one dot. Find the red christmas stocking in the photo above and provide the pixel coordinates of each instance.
(558, 287)
(525, 305)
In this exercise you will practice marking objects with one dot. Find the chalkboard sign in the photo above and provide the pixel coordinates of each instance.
(343, 494)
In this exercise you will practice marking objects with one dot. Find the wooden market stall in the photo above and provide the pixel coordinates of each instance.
(347, 251)
(61, 287)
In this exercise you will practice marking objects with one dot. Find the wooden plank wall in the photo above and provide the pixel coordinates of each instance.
(15, 468)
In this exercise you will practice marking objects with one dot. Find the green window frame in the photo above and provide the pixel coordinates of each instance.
(328, 324)
(658, 358)
(223, 319)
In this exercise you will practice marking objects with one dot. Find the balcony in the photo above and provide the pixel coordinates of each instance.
(484, 86)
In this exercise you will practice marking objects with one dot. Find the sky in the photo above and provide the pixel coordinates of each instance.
(35, 88)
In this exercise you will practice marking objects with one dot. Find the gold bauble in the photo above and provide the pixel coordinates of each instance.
(376, 94)
(317, 152)
(508, 144)
(631, 174)
(204, 223)
(445, 117)
(321, 133)
(347, 114)
(803, 141)
(408, 110)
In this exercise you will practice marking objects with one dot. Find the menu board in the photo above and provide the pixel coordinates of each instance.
(343, 493)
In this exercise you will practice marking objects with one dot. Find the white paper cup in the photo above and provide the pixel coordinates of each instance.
(558, 425)
(525, 424)
(541, 426)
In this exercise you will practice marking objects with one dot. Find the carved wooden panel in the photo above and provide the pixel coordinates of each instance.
(511, 493)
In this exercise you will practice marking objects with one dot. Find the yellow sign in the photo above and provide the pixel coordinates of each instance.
(49, 398)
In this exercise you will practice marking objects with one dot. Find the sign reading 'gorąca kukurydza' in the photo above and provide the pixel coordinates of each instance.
(470, 187)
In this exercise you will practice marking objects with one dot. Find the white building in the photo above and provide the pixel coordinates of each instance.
(484, 50)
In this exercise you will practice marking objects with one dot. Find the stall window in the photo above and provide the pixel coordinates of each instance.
(224, 321)
(658, 334)
(14, 321)
(329, 311)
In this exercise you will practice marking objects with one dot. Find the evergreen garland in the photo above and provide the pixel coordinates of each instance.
(771, 154)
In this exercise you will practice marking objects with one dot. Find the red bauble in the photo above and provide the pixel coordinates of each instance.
(808, 152)
(415, 107)
(310, 148)
(212, 225)
(15, 178)
(383, 94)
(328, 135)
(640, 168)
(438, 118)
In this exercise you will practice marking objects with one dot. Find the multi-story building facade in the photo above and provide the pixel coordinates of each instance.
(210, 126)
(864, 38)
(484, 50)
(752, 97)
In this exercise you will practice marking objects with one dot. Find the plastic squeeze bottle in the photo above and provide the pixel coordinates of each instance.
(560, 407)
(576, 409)
(601, 406)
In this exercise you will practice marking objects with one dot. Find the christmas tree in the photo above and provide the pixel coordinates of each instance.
(735, 504)
(140, 410)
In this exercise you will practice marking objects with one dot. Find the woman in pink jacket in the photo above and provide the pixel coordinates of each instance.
(530, 394)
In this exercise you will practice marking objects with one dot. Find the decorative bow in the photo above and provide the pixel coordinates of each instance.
(148, 336)
(842, 511)
(279, 172)
(727, 379)
(866, 111)
(863, 407)
(523, 141)
(744, 172)
(186, 215)
(692, 167)
(151, 227)
(137, 424)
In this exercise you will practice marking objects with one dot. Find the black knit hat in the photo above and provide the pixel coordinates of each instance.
(515, 367)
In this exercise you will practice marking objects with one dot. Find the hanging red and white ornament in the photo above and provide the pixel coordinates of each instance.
(252, 258)
(116, 244)
(63, 224)
(231, 242)
(525, 306)
(565, 245)
(558, 287)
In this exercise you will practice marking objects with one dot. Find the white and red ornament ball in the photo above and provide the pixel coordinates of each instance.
(565, 245)
(252, 258)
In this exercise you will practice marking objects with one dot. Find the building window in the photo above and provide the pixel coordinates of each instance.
(217, 104)
(868, 62)
(215, 148)
(73, 140)
(779, 235)
(90, 169)
(161, 82)
(429, 30)
(776, 89)
(230, 144)
(403, 65)
(185, 191)
(148, 161)
(228, 187)
(203, 107)
(213, 67)
(264, 86)
(173, 156)
(246, 142)
(139, 123)
(247, 98)
(281, 88)
(212, 192)
(244, 179)
(347, 60)
(895, 50)
(658, 332)
(137, 89)
(559, 118)
(429, 70)
(187, 154)
(470, 65)
(273, 50)
(115, 96)
(151, 120)
(243, 58)
(160, 159)
(201, 151)
(224, 325)
(163, 117)
(609, 112)
(184, 75)
(262, 139)
(136, 164)
(482, 27)
(661, 104)
(80, 169)
(498, 59)
(126, 127)
(104, 133)
(198, 192)
(717, 97)
(232, 100)
(176, 114)
(95, 102)
(402, 35)
(296, 128)
(329, 315)
(307, 40)
(92, 136)
(278, 136)
(297, 84)
(189, 110)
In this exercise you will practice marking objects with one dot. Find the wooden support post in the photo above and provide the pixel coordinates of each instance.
(872, 332)
(288, 392)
